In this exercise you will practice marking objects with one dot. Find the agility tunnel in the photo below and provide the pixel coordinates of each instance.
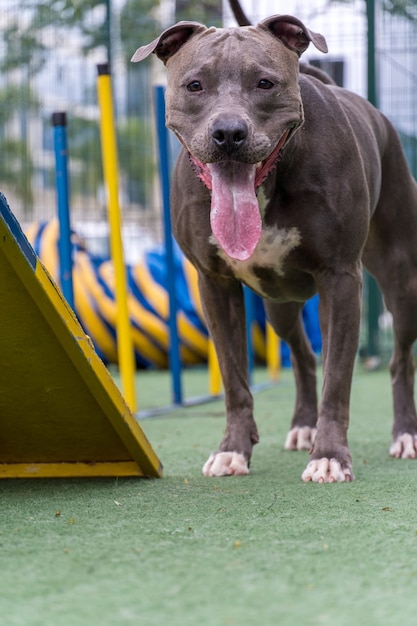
(148, 303)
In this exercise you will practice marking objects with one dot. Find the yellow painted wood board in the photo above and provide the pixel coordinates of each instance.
(61, 413)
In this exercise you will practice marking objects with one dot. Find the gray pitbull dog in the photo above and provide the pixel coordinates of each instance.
(288, 184)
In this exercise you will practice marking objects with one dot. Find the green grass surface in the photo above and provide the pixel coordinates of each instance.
(264, 549)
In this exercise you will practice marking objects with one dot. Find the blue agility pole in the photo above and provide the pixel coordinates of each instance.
(250, 316)
(59, 123)
(164, 171)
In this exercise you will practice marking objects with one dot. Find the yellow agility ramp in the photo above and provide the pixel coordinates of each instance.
(61, 415)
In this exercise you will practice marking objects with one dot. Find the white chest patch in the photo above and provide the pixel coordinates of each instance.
(272, 249)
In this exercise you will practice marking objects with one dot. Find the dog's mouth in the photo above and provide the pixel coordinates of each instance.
(235, 218)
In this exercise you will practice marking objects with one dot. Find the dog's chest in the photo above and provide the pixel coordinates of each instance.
(264, 271)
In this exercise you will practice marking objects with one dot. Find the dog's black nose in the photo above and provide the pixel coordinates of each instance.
(229, 135)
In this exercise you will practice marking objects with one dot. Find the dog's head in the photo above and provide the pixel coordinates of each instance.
(233, 92)
(233, 98)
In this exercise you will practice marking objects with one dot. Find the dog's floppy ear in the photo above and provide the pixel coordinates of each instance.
(293, 33)
(169, 42)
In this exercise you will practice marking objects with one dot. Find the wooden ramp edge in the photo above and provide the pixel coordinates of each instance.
(61, 414)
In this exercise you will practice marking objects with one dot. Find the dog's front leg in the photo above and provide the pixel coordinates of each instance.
(224, 309)
(340, 305)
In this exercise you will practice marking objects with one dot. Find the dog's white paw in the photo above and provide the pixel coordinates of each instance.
(404, 447)
(326, 471)
(300, 438)
(226, 464)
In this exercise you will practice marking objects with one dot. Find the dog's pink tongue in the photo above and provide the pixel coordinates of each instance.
(235, 219)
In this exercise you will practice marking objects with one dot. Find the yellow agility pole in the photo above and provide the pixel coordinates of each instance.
(215, 379)
(110, 170)
(273, 352)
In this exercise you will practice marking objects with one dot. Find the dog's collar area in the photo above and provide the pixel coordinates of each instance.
(262, 170)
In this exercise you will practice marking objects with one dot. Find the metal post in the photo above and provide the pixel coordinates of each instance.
(59, 123)
(110, 169)
(250, 316)
(174, 350)
(373, 293)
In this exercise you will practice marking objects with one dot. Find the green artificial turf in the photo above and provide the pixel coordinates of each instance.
(265, 549)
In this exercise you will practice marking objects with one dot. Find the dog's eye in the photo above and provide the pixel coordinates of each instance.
(265, 84)
(195, 85)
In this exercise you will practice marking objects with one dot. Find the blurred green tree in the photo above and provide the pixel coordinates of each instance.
(25, 47)
(16, 164)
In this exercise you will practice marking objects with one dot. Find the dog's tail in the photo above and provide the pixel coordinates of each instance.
(239, 14)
